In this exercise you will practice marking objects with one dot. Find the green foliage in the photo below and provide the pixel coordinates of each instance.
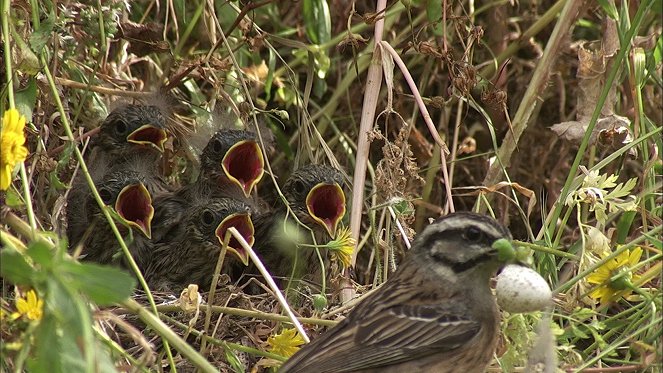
(310, 93)
(66, 287)
(317, 20)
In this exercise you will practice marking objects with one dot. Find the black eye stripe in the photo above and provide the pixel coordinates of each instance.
(459, 233)
(460, 266)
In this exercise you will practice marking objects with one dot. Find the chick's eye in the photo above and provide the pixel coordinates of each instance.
(120, 127)
(207, 217)
(105, 195)
(473, 234)
(217, 146)
(299, 187)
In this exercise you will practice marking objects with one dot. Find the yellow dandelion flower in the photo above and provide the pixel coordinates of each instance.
(30, 306)
(609, 290)
(12, 148)
(285, 343)
(342, 247)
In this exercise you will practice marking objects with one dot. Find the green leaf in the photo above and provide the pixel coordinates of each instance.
(271, 67)
(41, 253)
(58, 301)
(48, 347)
(624, 226)
(43, 33)
(104, 285)
(234, 361)
(55, 181)
(579, 333)
(317, 21)
(26, 60)
(13, 199)
(609, 8)
(583, 313)
(15, 268)
(400, 205)
(434, 15)
(658, 51)
(26, 99)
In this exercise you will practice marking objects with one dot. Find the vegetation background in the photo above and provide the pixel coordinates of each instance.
(546, 114)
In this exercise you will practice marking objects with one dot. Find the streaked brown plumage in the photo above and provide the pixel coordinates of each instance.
(188, 253)
(435, 314)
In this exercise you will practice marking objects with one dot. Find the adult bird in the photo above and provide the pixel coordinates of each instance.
(189, 254)
(436, 313)
(316, 198)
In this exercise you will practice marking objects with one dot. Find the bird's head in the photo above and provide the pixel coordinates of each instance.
(211, 220)
(126, 191)
(133, 126)
(233, 156)
(464, 244)
(314, 193)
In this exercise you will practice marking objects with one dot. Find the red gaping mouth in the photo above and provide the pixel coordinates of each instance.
(326, 205)
(241, 222)
(150, 136)
(244, 165)
(134, 205)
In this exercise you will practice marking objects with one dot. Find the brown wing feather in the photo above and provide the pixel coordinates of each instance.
(387, 332)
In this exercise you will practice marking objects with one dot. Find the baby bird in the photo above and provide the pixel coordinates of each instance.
(231, 160)
(131, 137)
(129, 191)
(436, 313)
(315, 197)
(129, 131)
(189, 253)
(232, 164)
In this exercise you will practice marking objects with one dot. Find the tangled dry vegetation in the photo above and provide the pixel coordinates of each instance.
(549, 117)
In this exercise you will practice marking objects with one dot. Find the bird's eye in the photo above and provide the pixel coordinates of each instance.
(120, 127)
(105, 195)
(217, 146)
(207, 217)
(299, 187)
(473, 234)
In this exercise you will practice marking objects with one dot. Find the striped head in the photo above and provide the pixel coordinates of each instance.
(464, 243)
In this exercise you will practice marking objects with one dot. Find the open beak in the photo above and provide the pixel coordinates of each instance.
(244, 165)
(326, 205)
(149, 135)
(241, 222)
(134, 205)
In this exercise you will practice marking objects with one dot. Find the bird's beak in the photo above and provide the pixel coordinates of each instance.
(149, 135)
(244, 165)
(134, 205)
(326, 205)
(241, 222)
